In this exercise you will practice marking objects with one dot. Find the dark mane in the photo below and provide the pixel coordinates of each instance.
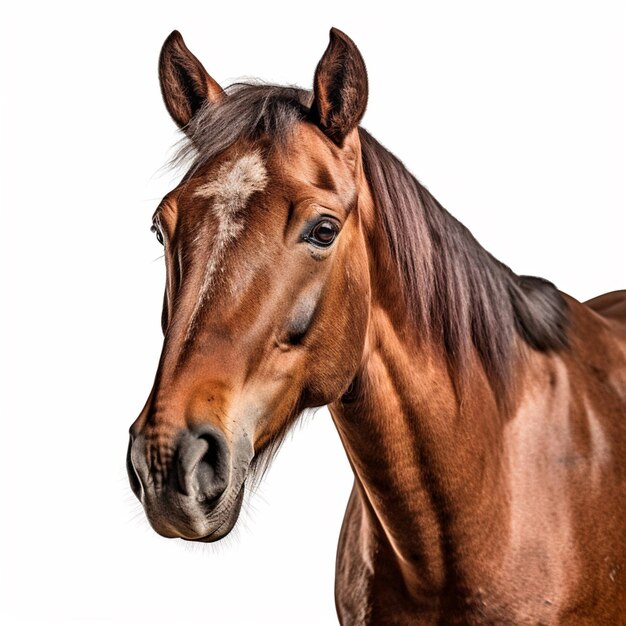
(250, 110)
(455, 291)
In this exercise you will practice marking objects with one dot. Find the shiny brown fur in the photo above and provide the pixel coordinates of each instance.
(483, 413)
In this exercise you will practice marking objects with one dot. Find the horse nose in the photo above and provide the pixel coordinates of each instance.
(200, 466)
(203, 463)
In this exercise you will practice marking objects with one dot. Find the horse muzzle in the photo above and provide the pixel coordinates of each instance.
(194, 488)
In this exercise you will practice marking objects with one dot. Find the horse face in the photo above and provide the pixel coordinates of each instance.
(267, 294)
(265, 314)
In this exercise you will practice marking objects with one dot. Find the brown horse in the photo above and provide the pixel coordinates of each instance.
(483, 413)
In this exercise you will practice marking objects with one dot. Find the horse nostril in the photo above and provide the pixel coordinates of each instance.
(133, 478)
(203, 464)
(211, 473)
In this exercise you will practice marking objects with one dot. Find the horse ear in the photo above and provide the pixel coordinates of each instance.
(185, 84)
(339, 88)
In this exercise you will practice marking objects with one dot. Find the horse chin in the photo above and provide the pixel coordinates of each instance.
(227, 523)
(187, 518)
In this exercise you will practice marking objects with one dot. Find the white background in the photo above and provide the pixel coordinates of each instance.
(511, 113)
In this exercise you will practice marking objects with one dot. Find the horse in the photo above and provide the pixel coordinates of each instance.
(483, 412)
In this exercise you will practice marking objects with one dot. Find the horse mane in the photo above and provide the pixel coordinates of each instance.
(456, 292)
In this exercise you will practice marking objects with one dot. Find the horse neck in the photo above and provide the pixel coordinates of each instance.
(426, 457)
(426, 463)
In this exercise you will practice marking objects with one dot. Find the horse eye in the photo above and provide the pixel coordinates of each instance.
(323, 233)
(158, 233)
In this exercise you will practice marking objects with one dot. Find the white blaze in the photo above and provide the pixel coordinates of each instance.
(234, 183)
